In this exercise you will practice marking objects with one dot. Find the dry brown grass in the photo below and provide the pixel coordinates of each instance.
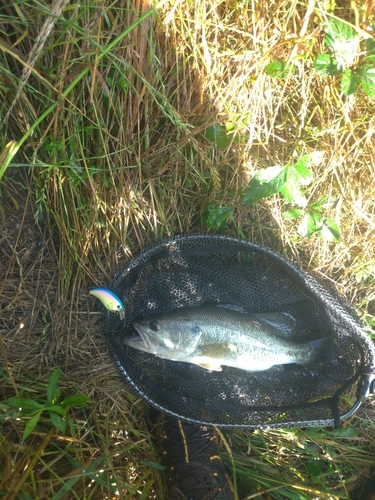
(110, 125)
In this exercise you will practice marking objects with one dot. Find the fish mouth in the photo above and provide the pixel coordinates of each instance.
(141, 342)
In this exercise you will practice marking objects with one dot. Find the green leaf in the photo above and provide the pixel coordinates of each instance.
(218, 136)
(266, 183)
(279, 69)
(215, 217)
(101, 478)
(314, 466)
(57, 421)
(344, 432)
(367, 76)
(338, 31)
(23, 403)
(60, 423)
(321, 202)
(52, 385)
(370, 45)
(330, 231)
(308, 225)
(56, 409)
(370, 57)
(295, 176)
(30, 426)
(292, 214)
(75, 400)
(154, 465)
(314, 158)
(349, 82)
(291, 188)
(342, 39)
(326, 65)
(303, 173)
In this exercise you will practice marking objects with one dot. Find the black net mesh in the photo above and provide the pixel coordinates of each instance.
(191, 270)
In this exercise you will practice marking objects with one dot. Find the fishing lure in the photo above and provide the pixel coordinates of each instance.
(109, 300)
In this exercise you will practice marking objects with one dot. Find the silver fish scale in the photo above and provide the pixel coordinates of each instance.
(193, 270)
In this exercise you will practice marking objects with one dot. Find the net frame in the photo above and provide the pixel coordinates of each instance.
(191, 270)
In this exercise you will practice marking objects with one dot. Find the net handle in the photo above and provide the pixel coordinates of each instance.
(366, 388)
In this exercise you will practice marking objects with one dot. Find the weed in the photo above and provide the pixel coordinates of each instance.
(288, 180)
(21, 408)
(356, 68)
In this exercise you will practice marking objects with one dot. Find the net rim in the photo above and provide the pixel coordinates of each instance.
(301, 276)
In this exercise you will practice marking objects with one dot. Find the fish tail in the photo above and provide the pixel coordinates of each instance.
(320, 349)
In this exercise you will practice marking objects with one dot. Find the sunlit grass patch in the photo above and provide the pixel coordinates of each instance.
(97, 453)
(136, 121)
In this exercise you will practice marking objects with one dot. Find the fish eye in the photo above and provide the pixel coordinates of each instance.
(154, 326)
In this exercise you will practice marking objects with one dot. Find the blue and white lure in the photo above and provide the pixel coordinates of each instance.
(109, 300)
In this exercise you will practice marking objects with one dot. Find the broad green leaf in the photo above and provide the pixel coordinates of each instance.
(305, 176)
(367, 76)
(330, 231)
(294, 177)
(349, 82)
(30, 426)
(52, 385)
(307, 226)
(315, 466)
(370, 57)
(215, 217)
(292, 214)
(266, 183)
(338, 31)
(326, 65)
(318, 220)
(343, 40)
(218, 136)
(279, 69)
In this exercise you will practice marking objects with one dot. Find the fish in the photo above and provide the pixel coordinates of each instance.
(212, 336)
(109, 300)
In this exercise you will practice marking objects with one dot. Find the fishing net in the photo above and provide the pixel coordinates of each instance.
(193, 270)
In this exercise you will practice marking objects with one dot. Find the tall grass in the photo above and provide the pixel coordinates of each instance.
(129, 119)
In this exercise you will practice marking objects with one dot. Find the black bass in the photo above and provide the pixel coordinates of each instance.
(211, 336)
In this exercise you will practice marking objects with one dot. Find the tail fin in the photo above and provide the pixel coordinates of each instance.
(321, 346)
(320, 349)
